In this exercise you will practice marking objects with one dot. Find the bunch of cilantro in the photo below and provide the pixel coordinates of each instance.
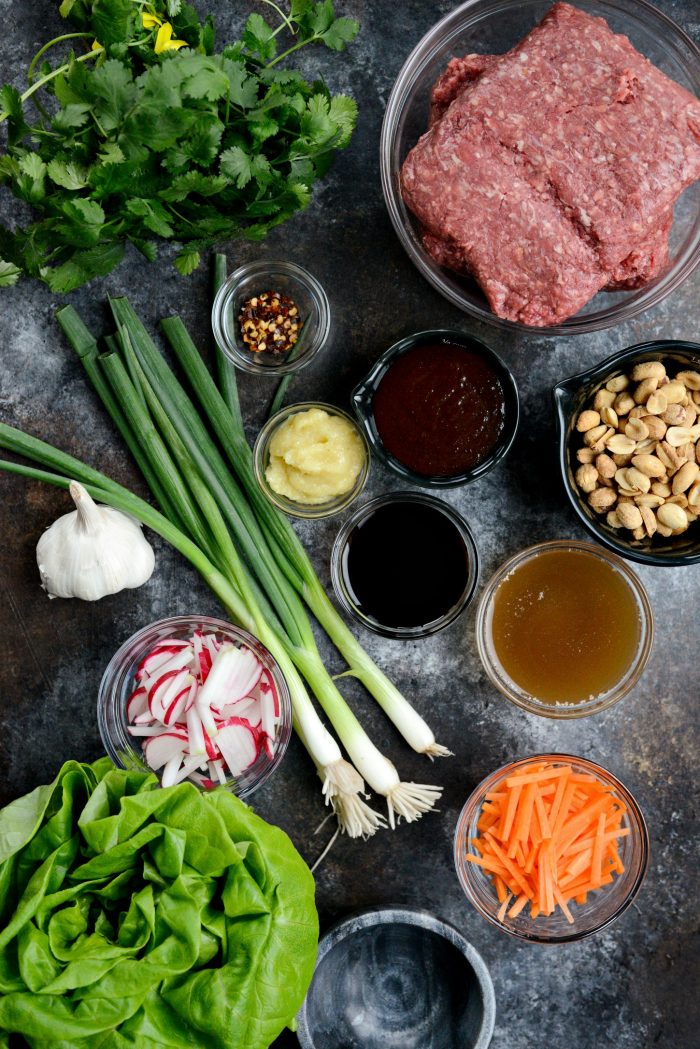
(146, 132)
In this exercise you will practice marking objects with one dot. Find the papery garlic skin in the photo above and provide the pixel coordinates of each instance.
(93, 551)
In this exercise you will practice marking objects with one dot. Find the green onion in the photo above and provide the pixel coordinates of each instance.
(244, 540)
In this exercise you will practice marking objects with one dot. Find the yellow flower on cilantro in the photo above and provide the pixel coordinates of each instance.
(164, 40)
(149, 20)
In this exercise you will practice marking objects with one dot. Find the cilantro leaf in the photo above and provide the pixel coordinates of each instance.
(235, 164)
(259, 37)
(9, 273)
(204, 78)
(155, 216)
(186, 262)
(115, 93)
(73, 115)
(340, 33)
(342, 110)
(82, 266)
(67, 174)
(243, 89)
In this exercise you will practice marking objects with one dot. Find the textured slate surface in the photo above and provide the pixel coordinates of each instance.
(631, 987)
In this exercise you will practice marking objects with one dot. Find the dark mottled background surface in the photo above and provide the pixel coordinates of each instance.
(635, 986)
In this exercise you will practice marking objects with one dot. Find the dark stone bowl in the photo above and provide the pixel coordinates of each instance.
(390, 978)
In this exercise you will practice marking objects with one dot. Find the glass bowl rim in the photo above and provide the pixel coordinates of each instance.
(639, 829)
(560, 712)
(386, 914)
(363, 511)
(308, 511)
(414, 65)
(362, 397)
(106, 693)
(596, 374)
(227, 292)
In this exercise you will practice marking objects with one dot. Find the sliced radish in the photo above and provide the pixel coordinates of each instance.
(165, 689)
(158, 657)
(159, 750)
(137, 703)
(267, 714)
(145, 730)
(238, 745)
(248, 707)
(144, 719)
(195, 732)
(177, 706)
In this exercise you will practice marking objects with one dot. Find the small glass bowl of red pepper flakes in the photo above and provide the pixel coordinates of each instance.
(271, 318)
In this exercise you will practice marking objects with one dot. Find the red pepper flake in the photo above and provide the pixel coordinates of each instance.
(270, 323)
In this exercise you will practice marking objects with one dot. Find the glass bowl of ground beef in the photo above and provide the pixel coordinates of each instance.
(540, 166)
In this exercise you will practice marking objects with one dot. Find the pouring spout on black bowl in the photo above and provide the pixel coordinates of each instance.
(570, 396)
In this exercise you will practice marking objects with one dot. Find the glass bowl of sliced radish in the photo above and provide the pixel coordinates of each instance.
(195, 698)
(551, 848)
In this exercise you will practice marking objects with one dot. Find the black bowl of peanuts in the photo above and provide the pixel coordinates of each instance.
(629, 451)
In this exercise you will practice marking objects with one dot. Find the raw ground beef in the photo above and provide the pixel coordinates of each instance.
(551, 172)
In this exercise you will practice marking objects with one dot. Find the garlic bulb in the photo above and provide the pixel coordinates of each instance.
(93, 551)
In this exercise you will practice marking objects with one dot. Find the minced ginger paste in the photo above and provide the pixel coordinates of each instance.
(314, 457)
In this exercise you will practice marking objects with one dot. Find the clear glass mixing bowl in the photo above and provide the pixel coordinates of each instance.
(493, 27)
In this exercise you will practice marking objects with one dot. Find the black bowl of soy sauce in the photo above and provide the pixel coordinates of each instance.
(405, 565)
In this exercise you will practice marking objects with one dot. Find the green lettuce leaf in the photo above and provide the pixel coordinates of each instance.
(135, 916)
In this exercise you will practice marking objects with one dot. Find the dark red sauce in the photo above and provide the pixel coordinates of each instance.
(439, 409)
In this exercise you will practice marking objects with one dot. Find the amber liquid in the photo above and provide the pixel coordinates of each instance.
(566, 626)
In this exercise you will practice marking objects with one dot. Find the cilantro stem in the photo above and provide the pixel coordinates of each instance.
(95, 53)
(286, 22)
(46, 47)
(290, 50)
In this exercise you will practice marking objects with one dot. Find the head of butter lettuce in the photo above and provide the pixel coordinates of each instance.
(135, 916)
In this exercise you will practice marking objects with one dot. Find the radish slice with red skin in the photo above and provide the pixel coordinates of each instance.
(170, 771)
(164, 691)
(238, 745)
(177, 707)
(145, 730)
(159, 750)
(157, 658)
(137, 703)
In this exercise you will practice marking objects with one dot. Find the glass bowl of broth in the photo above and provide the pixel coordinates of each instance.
(564, 629)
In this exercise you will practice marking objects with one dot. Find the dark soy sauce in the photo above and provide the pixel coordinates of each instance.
(406, 565)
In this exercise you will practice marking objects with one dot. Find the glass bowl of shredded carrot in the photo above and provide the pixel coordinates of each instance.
(551, 848)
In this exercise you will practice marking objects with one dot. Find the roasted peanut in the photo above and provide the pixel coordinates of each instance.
(585, 455)
(605, 465)
(602, 499)
(645, 389)
(648, 370)
(672, 516)
(603, 399)
(685, 477)
(648, 520)
(609, 417)
(587, 421)
(623, 404)
(674, 392)
(636, 429)
(587, 478)
(662, 489)
(618, 383)
(629, 515)
(657, 404)
(690, 379)
(649, 464)
(620, 444)
(655, 425)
